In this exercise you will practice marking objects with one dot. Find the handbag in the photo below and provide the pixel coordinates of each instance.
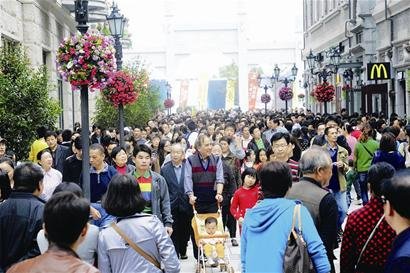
(139, 250)
(297, 259)
(368, 240)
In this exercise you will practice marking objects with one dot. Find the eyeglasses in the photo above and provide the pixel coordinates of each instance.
(279, 146)
(383, 198)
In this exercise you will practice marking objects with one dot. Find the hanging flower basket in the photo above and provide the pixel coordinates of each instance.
(86, 59)
(120, 89)
(346, 87)
(169, 103)
(324, 92)
(301, 96)
(285, 93)
(265, 98)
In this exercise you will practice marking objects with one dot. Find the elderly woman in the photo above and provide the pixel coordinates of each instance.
(124, 201)
(267, 226)
(52, 177)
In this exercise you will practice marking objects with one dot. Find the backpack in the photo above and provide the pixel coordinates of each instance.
(297, 259)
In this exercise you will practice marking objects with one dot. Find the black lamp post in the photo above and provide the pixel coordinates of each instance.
(334, 54)
(81, 17)
(265, 86)
(116, 23)
(168, 86)
(286, 80)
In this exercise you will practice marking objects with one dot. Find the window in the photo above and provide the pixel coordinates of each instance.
(8, 43)
(359, 38)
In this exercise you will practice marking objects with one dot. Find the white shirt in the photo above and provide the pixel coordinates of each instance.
(50, 181)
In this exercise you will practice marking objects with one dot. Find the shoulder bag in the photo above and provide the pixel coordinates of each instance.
(368, 240)
(297, 259)
(367, 150)
(139, 250)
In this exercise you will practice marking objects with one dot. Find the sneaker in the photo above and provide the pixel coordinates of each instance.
(234, 242)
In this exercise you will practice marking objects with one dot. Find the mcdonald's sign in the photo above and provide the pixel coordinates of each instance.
(378, 71)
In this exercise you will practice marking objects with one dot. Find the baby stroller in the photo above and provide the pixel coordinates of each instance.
(201, 236)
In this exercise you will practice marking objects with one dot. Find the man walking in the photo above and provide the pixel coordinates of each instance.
(21, 216)
(174, 174)
(316, 167)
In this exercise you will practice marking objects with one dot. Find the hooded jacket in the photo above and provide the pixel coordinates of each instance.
(265, 231)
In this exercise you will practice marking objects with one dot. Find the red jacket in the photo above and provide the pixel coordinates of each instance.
(242, 200)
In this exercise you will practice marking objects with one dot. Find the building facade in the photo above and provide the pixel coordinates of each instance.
(196, 47)
(372, 31)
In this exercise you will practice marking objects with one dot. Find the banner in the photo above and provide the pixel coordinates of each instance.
(253, 86)
(230, 94)
(202, 92)
(183, 93)
(216, 93)
(408, 80)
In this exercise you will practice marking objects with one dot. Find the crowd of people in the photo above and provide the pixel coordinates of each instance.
(259, 168)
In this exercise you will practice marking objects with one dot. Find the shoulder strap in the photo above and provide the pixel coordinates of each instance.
(367, 150)
(368, 240)
(135, 247)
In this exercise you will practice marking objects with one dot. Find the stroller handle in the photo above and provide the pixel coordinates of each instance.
(218, 203)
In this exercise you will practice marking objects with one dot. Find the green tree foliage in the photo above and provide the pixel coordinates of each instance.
(24, 100)
(136, 114)
(231, 72)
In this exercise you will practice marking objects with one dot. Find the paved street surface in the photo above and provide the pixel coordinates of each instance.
(234, 252)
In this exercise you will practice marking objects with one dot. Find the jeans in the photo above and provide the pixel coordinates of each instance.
(341, 202)
(362, 177)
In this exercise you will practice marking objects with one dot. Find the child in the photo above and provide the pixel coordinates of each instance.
(262, 159)
(246, 196)
(213, 247)
(351, 176)
(249, 160)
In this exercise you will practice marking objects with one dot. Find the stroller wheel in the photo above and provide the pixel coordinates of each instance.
(222, 267)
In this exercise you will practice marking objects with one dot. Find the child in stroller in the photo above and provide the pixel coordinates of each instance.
(214, 249)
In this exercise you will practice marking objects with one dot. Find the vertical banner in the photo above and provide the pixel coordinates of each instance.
(230, 94)
(253, 86)
(408, 80)
(202, 92)
(183, 93)
(216, 91)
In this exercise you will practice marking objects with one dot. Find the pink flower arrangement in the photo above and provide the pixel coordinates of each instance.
(265, 98)
(120, 89)
(169, 103)
(86, 59)
(324, 92)
(285, 93)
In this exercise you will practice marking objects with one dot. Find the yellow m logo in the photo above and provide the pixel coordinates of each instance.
(378, 68)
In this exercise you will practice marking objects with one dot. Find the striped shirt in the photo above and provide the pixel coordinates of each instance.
(294, 168)
(145, 183)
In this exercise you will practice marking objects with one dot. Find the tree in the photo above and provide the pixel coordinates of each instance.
(24, 100)
(137, 113)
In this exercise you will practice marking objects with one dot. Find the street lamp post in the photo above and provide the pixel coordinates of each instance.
(265, 87)
(116, 24)
(81, 17)
(286, 80)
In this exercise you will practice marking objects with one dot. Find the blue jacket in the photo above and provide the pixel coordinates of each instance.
(394, 158)
(399, 258)
(99, 181)
(265, 232)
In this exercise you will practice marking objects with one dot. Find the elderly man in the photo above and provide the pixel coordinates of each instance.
(174, 172)
(204, 179)
(316, 167)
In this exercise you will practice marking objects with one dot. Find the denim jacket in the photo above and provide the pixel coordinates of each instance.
(114, 255)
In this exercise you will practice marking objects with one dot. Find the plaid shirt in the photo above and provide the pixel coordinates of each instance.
(360, 224)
